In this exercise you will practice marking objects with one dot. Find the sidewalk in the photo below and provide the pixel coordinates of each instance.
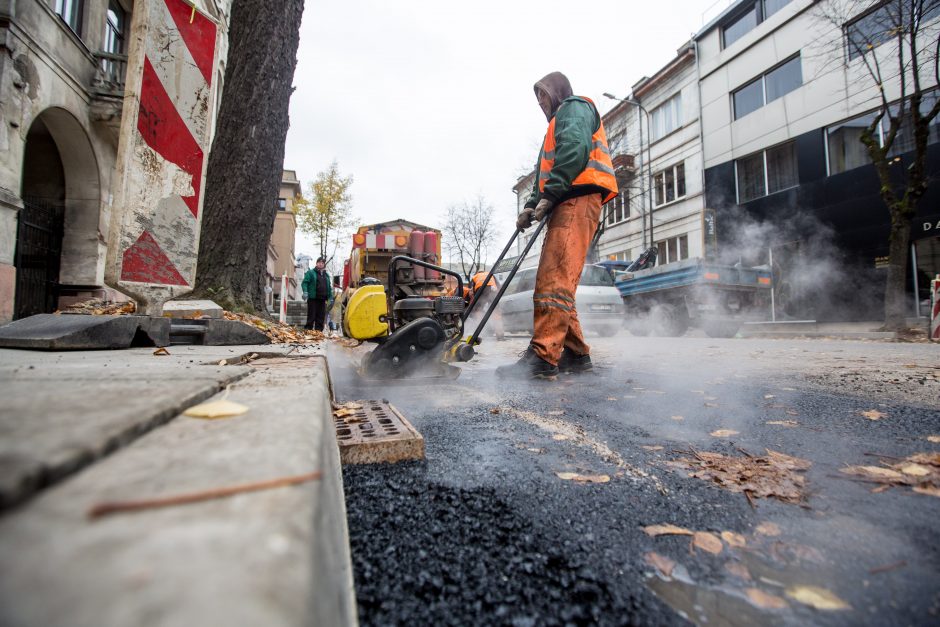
(83, 428)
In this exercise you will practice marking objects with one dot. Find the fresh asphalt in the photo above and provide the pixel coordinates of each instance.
(484, 531)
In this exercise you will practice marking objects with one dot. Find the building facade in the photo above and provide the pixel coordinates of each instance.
(784, 96)
(62, 75)
(283, 237)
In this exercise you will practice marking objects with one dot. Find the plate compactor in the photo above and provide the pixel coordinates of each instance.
(418, 335)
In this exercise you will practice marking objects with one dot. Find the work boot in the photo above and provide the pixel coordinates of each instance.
(573, 362)
(529, 366)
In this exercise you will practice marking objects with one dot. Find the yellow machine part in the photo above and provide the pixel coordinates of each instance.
(363, 312)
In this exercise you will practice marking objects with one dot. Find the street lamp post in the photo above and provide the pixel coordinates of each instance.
(649, 140)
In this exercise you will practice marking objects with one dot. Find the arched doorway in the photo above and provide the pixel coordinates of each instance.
(59, 232)
(41, 225)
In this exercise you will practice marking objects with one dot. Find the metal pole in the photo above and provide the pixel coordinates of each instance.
(773, 287)
(916, 290)
(643, 189)
(649, 167)
(489, 276)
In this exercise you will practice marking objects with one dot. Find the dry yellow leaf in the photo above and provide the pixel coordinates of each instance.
(573, 476)
(733, 539)
(495, 410)
(344, 412)
(767, 529)
(934, 438)
(223, 362)
(351, 405)
(764, 600)
(216, 409)
(915, 470)
(660, 562)
(560, 437)
(818, 598)
(929, 490)
(877, 472)
(723, 433)
(676, 418)
(707, 542)
(873, 414)
(653, 448)
(161, 351)
(666, 530)
(783, 423)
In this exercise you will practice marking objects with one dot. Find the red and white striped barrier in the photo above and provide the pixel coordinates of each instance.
(166, 128)
(282, 317)
(935, 309)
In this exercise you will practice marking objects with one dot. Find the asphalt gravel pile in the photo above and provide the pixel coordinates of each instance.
(434, 554)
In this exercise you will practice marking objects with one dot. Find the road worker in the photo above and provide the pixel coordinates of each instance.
(575, 177)
(485, 297)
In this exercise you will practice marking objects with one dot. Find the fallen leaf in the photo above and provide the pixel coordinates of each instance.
(723, 433)
(929, 490)
(161, 351)
(763, 600)
(344, 412)
(535, 450)
(733, 539)
(739, 570)
(882, 488)
(666, 530)
(216, 409)
(611, 398)
(783, 423)
(223, 362)
(660, 562)
(707, 542)
(676, 418)
(818, 598)
(915, 470)
(573, 476)
(875, 472)
(559, 437)
(767, 529)
(934, 438)
(494, 410)
(653, 448)
(873, 414)
(932, 459)
(351, 405)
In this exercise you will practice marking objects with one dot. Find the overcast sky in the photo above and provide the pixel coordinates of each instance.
(428, 103)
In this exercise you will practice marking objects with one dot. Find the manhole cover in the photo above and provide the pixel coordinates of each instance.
(372, 432)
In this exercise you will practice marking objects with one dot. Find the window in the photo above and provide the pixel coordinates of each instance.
(767, 172)
(666, 118)
(669, 184)
(617, 210)
(876, 27)
(282, 204)
(752, 16)
(776, 83)
(844, 140)
(593, 276)
(71, 13)
(672, 249)
(114, 31)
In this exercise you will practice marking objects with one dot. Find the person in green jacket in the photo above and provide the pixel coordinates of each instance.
(318, 292)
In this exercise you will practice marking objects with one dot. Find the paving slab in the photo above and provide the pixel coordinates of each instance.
(192, 309)
(275, 557)
(62, 411)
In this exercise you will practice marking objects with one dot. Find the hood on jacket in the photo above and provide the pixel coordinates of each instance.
(557, 87)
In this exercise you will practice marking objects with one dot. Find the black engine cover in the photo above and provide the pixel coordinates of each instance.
(416, 348)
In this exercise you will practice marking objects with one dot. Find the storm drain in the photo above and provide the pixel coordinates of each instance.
(373, 432)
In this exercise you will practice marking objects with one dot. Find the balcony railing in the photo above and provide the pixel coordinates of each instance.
(109, 78)
(624, 161)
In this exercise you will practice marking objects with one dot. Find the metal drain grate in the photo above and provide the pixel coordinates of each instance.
(374, 433)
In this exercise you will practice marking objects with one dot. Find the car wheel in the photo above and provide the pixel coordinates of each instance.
(668, 320)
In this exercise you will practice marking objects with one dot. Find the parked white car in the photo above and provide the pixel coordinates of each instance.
(600, 308)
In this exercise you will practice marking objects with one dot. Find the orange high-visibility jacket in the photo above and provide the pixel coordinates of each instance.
(599, 170)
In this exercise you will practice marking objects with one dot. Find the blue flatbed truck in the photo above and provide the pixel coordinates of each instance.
(667, 300)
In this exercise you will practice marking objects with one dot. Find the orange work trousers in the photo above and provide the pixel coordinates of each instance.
(570, 231)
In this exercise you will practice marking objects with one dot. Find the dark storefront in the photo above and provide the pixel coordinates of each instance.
(827, 236)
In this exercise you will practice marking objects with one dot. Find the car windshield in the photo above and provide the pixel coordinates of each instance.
(595, 275)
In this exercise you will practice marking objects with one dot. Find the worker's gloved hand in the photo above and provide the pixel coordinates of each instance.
(305, 295)
(525, 218)
(542, 209)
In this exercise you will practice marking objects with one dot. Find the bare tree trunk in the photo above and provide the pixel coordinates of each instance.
(247, 157)
(896, 305)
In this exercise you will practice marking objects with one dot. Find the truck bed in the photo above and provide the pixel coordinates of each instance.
(690, 272)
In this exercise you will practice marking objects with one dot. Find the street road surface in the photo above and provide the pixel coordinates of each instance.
(490, 530)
